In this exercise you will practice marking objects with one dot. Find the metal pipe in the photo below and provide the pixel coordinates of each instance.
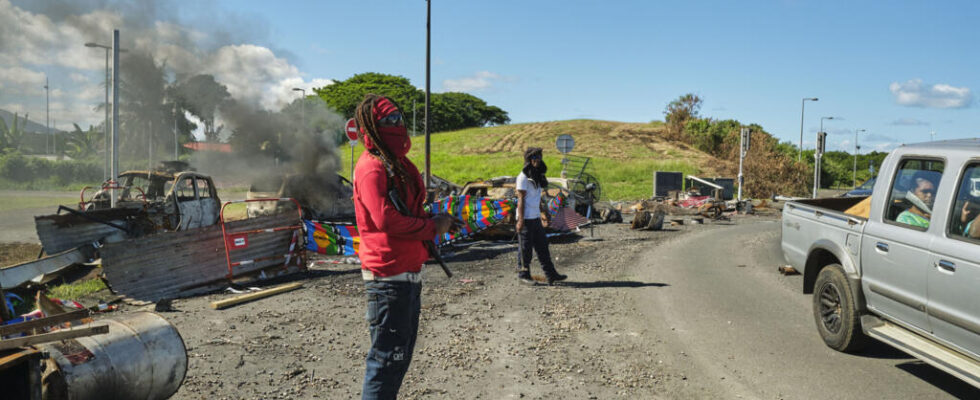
(105, 125)
(115, 118)
(857, 148)
(428, 74)
(142, 357)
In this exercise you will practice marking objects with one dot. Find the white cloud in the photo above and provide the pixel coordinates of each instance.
(77, 77)
(481, 80)
(908, 122)
(914, 93)
(89, 93)
(18, 80)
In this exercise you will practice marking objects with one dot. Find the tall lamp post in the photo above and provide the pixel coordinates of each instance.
(856, 150)
(105, 173)
(47, 113)
(802, 110)
(303, 109)
(428, 73)
(818, 156)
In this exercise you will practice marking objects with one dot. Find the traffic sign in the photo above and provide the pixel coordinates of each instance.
(351, 129)
(565, 144)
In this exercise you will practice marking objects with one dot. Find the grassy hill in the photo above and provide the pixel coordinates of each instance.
(624, 155)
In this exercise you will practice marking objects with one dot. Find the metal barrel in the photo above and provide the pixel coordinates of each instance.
(142, 357)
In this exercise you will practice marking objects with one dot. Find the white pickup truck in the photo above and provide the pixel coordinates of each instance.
(902, 266)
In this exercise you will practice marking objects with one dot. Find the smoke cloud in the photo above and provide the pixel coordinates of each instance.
(40, 37)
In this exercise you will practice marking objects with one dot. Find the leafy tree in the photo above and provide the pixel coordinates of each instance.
(450, 111)
(149, 109)
(11, 138)
(344, 96)
(202, 96)
(681, 110)
(83, 144)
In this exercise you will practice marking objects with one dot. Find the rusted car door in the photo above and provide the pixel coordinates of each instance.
(208, 201)
(188, 207)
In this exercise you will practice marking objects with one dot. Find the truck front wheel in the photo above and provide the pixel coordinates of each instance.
(835, 311)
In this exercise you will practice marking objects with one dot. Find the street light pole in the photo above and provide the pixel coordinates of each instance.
(105, 125)
(114, 177)
(802, 110)
(302, 109)
(818, 156)
(856, 149)
(176, 143)
(428, 52)
(47, 112)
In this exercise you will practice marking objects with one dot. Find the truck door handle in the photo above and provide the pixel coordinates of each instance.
(883, 247)
(946, 265)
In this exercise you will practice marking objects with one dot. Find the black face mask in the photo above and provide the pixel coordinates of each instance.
(536, 174)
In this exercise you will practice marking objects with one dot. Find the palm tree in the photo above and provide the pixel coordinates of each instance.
(11, 137)
(83, 144)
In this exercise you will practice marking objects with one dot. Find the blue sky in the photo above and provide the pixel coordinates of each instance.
(898, 69)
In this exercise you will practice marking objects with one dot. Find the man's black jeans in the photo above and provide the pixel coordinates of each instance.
(533, 237)
(393, 314)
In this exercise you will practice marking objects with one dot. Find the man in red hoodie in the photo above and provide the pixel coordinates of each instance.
(392, 250)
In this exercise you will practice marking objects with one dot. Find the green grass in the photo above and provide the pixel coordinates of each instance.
(12, 203)
(46, 184)
(76, 290)
(456, 156)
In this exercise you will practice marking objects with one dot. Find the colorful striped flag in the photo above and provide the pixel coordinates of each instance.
(477, 214)
(332, 239)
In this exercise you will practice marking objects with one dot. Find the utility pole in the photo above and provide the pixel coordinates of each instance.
(115, 118)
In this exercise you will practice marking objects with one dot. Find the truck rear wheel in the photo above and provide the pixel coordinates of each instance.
(835, 311)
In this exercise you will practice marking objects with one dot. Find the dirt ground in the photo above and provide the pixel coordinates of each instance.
(482, 334)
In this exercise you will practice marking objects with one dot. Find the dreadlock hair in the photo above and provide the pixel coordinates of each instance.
(369, 127)
(535, 174)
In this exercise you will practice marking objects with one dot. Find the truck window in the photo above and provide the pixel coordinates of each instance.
(913, 193)
(203, 189)
(965, 221)
(185, 189)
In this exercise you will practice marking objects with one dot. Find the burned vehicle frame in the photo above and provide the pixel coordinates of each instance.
(171, 200)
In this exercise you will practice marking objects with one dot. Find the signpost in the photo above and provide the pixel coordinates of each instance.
(565, 144)
(817, 158)
(745, 143)
(350, 130)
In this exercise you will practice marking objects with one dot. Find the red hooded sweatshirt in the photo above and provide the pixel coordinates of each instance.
(391, 243)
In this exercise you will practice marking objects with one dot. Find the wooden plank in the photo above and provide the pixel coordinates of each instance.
(217, 305)
(43, 322)
(13, 359)
(53, 336)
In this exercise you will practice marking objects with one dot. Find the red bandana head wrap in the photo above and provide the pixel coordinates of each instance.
(395, 137)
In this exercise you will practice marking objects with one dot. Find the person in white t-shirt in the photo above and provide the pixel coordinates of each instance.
(530, 183)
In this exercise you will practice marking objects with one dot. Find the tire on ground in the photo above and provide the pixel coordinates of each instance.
(835, 311)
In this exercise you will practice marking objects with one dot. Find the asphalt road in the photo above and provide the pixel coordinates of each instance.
(736, 328)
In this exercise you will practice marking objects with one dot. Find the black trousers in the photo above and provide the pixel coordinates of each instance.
(532, 237)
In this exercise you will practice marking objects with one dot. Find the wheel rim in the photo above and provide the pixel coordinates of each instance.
(830, 308)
